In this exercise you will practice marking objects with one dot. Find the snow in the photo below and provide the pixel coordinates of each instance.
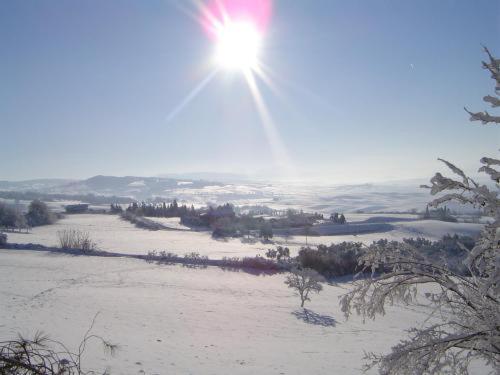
(169, 222)
(171, 319)
(137, 183)
(114, 234)
(436, 229)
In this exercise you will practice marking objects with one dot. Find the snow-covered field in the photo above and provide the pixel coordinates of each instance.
(176, 320)
(170, 222)
(113, 234)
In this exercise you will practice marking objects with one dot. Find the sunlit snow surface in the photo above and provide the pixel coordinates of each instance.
(114, 234)
(176, 320)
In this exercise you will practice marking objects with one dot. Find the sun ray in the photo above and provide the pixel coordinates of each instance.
(278, 148)
(184, 8)
(295, 86)
(238, 35)
(190, 96)
(264, 76)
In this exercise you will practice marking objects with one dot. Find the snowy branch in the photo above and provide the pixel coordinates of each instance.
(467, 307)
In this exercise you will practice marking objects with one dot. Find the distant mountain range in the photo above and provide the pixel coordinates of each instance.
(395, 196)
(129, 186)
(34, 185)
(208, 176)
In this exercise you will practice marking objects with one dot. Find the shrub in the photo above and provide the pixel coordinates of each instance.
(3, 239)
(257, 263)
(334, 260)
(281, 253)
(195, 258)
(75, 239)
(161, 257)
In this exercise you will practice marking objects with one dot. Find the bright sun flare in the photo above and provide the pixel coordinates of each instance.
(238, 45)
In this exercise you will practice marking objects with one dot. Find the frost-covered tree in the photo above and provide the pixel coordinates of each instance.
(304, 281)
(266, 231)
(39, 214)
(464, 322)
(493, 66)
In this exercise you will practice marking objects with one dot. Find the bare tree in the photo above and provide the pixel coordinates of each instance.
(466, 308)
(43, 356)
(304, 281)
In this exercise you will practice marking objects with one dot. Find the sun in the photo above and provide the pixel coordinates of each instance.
(237, 46)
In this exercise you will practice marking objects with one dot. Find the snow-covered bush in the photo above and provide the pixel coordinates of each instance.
(450, 251)
(464, 324)
(304, 281)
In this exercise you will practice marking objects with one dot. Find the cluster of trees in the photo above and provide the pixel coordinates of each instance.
(115, 208)
(38, 214)
(11, 217)
(440, 213)
(224, 222)
(338, 219)
(157, 209)
(296, 219)
(280, 253)
(222, 219)
(214, 217)
(245, 223)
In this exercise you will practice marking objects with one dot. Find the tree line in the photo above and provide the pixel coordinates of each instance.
(222, 219)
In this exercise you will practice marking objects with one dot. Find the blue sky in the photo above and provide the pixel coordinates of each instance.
(368, 90)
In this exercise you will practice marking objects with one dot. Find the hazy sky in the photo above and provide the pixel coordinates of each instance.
(365, 90)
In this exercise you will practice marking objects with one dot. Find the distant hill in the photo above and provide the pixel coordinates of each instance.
(34, 185)
(210, 176)
(128, 186)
